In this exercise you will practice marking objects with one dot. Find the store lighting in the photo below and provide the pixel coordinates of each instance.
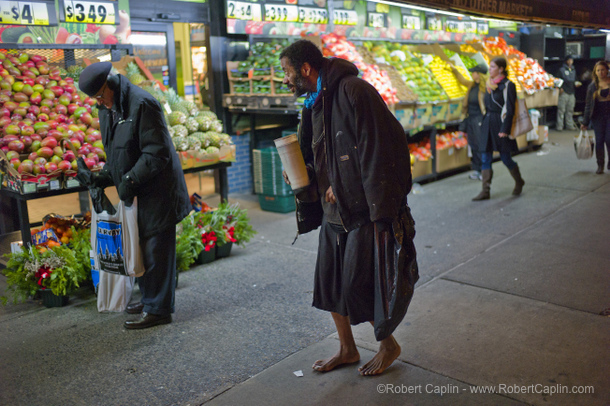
(606, 31)
(487, 19)
(429, 10)
(144, 39)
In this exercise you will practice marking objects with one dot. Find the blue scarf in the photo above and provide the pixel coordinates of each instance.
(312, 96)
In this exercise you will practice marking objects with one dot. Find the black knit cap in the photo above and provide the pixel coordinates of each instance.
(93, 77)
(479, 68)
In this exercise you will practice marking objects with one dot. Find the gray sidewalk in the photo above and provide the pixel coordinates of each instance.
(508, 300)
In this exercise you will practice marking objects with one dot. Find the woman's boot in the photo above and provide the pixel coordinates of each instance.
(519, 182)
(487, 174)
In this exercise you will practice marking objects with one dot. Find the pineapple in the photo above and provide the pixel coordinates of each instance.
(180, 131)
(133, 73)
(191, 125)
(176, 117)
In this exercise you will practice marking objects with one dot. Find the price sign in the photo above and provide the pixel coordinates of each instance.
(281, 12)
(26, 13)
(470, 27)
(411, 22)
(313, 15)
(345, 17)
(244, 11)
(90, 12)
(376, 20)
(455, 26)
(435, 24)
(483, 28)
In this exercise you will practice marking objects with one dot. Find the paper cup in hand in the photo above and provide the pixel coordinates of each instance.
(292, 160)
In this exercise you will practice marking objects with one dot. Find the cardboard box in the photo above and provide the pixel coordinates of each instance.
(461, 157)
(421, 168)
(454, 110)
(24, 183)
(521, 141)
(406, 115)
(423, 111)
(439, 112)
(445, 159)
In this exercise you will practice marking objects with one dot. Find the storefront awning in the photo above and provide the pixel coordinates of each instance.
(569, 13)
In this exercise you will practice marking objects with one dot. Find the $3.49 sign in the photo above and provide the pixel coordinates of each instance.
(313, 15)
(90, 12)
(26, 13)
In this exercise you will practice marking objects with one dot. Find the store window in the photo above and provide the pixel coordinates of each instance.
(151, 48)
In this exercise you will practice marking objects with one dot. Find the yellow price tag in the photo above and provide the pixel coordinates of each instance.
(90, 12)
(345, 17)
(24, 13)
(281, 12)
(313, 15)
(244, 11)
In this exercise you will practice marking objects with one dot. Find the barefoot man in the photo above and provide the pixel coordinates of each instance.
(357, 156)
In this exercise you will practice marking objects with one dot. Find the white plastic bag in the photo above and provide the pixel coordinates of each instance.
(584, 144)
(117, 255)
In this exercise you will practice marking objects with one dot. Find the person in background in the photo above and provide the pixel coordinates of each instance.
(358, 159)
(495, 129)
(474, 106)
(597, 112)
(142, 162)
(567, 98)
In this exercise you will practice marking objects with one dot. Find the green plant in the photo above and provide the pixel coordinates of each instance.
(58, 268)
(188, 243)
(234, 223)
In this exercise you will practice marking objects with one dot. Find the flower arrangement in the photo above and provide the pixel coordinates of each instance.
(60, 268)
(188, 243)
(234, 224)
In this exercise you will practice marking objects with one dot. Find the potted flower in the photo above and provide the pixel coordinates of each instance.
(209, 233)
(234, 227)
(188, 243)
(55, 272)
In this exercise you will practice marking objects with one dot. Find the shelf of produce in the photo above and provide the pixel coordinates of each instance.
(22, 199)
(261, 103)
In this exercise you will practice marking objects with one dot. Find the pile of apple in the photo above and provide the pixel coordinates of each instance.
(39, 111)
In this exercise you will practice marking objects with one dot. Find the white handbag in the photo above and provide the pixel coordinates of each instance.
(584, 145)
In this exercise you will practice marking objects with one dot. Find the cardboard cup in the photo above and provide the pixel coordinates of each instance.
(292, 160)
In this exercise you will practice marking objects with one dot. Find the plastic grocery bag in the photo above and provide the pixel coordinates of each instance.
(117, 255)
(396, 273)
(584, 145)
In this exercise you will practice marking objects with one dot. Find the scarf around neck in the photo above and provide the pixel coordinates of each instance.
(492, 84)
(312, 96)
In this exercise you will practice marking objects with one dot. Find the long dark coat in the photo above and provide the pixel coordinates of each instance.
(138, 143)
(492, 121)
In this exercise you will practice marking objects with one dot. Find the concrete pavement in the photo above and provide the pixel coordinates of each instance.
(508, 301)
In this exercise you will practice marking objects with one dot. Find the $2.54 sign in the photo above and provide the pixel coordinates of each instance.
(90, 12)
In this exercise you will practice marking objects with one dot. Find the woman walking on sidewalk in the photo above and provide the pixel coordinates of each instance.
(495, 128)
(597, 112)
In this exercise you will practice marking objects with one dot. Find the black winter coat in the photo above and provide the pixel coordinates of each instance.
(138, 144)
(492, 123)
(363, 144)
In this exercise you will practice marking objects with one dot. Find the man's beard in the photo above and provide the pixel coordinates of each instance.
(300, 85)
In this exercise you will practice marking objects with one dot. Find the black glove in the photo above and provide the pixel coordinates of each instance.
(83, 175)
(127, 190)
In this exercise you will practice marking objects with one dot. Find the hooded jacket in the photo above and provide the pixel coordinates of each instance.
(138, 144)
(352, 135)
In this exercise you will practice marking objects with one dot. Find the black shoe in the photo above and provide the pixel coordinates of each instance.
(134, 308)
(148, 320)
(600, 169)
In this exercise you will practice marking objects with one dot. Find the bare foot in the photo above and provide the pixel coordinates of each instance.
(340, 358)
(389, 350)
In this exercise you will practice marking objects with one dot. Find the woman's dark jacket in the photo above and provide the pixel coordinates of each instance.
(590, 104)
(138, 144)
(363, 145)
(493, 124)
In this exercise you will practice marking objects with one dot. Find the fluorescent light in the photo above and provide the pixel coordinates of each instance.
(607, 31)
(145, 39)
(430, 10)
(488, 19)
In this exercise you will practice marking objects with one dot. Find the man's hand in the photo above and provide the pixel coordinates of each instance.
(577, 84)
(285, 175)
(502, 135)
(330, 196)
(583, 127)
(126, 189)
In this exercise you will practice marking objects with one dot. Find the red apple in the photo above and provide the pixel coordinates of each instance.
(49, 142)
(10, 155)
(64, 166)
(38, 88)
(49, 103)
(101, 154)
(40, 161)
(56, 159)
(4, 121)
(12, 129)
(55, 134)
(27, 140)
(48, 94)
(58, 90)
(16, 145)
(50, 167)
(90, 162)
(86, 119)
(82, 151)
(42, 116)
(41, 125)
(96, 123)
(33, 155)
(69, 156)
(61, 109)
(45, 152)
(36, 98)
(94, 156)
(26, 166)
(15, 162)
(11, 106)
(38, 169)
(34, 110)
(72, 108)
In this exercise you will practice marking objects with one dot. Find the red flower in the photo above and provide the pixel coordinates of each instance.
(42, 273)
(209, 240)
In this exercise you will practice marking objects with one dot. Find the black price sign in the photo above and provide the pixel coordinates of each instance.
(282, 13)
(240, 10)
(90, 12)
(313, 15)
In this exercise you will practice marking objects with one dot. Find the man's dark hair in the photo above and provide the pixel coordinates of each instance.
(303, 51)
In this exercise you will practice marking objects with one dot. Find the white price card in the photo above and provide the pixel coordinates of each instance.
(376, 20)
(313, 15)
(345, 17)
(411, 22)
(240, 10)
(281, 12)
(23, 13)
